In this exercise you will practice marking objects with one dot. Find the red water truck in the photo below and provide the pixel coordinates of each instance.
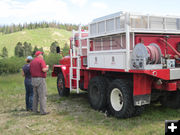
(124, 61)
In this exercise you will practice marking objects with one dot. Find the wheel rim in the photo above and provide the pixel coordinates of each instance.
(116, 99)
(60, 84)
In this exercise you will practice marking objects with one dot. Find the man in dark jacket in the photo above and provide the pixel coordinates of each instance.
(38, 69)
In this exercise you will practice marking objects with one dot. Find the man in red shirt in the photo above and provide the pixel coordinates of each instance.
(38, 69)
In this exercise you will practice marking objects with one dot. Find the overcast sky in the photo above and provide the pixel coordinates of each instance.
(78, 11)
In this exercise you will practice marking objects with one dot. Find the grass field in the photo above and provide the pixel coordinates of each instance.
(42, 37)
(71, 115)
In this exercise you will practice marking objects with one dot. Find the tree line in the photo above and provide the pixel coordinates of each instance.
(6, 29)
(25, 49)
(14, 64)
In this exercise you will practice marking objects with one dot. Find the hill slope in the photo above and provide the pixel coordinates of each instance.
(42, 37)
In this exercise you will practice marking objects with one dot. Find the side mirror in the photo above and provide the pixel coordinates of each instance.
(58, 50)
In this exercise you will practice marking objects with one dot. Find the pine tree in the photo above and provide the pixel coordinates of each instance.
(27, 49)
(41, 49)
(19, 50)
(30, 49)
(53, 46)
(35, 50)
(4, 52)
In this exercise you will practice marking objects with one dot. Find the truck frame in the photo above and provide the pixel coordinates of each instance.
(124, 61)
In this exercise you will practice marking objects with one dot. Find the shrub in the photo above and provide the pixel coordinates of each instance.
(52, 59)
(15, 64)
(11, 65)
(53, 46)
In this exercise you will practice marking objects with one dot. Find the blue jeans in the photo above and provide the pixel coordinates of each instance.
(29, 93)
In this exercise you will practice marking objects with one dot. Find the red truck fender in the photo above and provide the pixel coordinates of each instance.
(57, 69)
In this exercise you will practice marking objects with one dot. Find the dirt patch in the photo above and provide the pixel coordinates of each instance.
(23, 32)
(3, 118)
(57, 34)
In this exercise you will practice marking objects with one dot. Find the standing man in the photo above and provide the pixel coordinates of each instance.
(38, 69)
(28, 84)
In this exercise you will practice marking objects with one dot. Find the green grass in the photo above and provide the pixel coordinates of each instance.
(71, 115)
(42, 37)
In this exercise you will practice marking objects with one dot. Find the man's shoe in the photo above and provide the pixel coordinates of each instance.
(45, 113)
(35, 111)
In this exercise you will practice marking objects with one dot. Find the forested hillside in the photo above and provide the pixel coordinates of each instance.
(40, 37)
(6, 29)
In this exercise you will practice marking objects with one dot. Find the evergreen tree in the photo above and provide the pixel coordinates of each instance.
(19, 50)
(27, 49)
(16, 50)
(4, 52)
(35, 50)
(53, 46)
(41, 49)
(30, 49)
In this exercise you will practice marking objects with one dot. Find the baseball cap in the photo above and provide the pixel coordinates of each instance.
(38, 53)
(29, 58)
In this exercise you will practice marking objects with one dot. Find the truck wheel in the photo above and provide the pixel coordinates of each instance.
(97, 92)
(120, 99)
(62, 90)
(171, 100)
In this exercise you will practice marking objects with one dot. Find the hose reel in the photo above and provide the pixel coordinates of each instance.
(146, 55)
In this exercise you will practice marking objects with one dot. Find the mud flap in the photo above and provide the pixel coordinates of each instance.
(140, 100)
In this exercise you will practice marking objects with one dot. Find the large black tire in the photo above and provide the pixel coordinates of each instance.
(62, 90)
(97, 91)
(120, 99)
(171, 100)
